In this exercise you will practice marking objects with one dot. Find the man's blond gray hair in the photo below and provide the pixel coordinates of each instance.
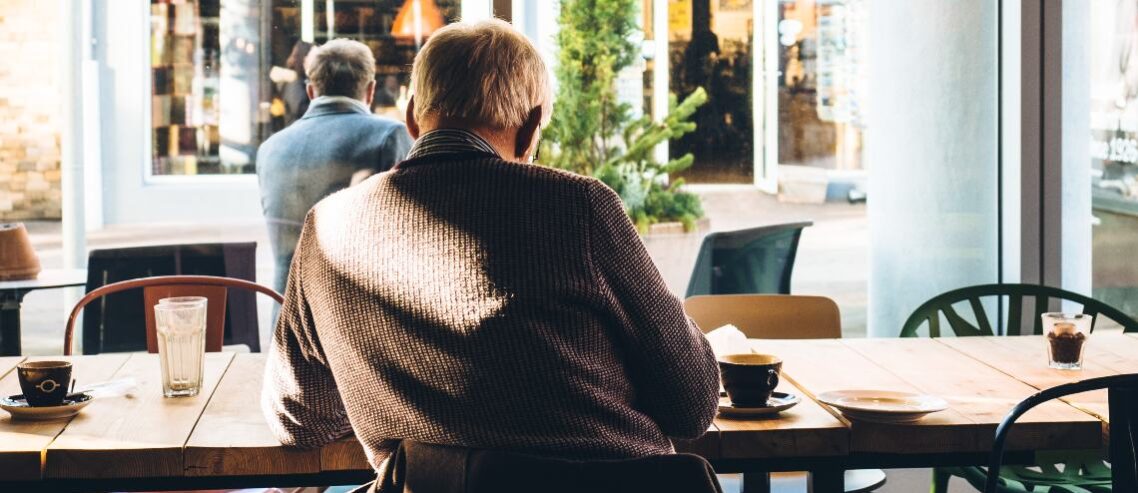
(341, 67)
(486, 73)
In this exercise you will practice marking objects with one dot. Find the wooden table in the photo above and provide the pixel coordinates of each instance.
(219, 439)
(12, 296)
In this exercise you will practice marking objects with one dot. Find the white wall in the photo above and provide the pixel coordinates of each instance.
(932, 146)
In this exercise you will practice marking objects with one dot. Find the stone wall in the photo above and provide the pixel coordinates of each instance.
(30, 110)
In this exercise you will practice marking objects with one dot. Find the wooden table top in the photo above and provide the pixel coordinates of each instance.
(978, 395)
(221, 432)
(1025, 359)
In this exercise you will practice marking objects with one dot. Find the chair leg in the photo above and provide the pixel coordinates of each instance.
(940, 481)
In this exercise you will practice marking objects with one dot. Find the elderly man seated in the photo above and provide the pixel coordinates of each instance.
(468, 298)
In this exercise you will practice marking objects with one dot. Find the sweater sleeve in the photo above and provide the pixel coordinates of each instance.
(299, 397)
(670, 362)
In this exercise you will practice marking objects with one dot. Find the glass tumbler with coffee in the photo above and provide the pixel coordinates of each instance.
(44, 383)
(1066, 335)
(749, 379)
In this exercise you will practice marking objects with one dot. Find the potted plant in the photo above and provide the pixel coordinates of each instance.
(594, 134)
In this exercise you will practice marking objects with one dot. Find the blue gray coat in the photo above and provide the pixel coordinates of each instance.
(315, 157)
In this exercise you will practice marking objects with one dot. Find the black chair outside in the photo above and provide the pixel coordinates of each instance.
(929, 313)
(1123, 399)
(1079, 470)
(116, 323)
(747, 261)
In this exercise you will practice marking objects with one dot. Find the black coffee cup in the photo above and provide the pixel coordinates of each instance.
(749, 378)
(44, 383)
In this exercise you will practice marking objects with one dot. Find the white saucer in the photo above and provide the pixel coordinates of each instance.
(779, 402)
(19, 408)
(883, 406)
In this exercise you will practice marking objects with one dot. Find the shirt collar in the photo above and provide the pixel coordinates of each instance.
(450, 141)
(328, 102)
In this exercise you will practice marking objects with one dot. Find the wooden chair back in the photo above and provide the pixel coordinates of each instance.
(213, 288)
(768, 316)
(971, 299)
(117, 323)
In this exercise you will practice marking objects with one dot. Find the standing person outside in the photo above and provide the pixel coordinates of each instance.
(337, 142)
(470, 299)
(295, 92)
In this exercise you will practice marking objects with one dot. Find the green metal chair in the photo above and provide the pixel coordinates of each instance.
(945, 304)
(1081, 472)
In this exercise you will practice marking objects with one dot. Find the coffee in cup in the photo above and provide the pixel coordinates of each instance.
(44, 383)
(749, 379)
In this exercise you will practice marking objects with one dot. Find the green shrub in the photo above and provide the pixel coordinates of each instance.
(592, 134)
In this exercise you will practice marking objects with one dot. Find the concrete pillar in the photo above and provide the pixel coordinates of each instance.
(931, 144)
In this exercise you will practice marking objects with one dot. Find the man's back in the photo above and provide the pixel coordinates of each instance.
(481, 303)
(317, 156)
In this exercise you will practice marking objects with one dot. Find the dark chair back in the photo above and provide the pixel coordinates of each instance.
(747, 261)
(1042, 297)
(427, 468)
(1123, 395)
(116, 323)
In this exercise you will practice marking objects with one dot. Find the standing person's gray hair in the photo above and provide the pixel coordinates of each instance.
(484, 72)
(341, 67)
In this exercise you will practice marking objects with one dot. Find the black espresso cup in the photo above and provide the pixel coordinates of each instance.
(749, 378)
(44, 383)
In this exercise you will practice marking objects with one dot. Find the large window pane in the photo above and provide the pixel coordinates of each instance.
(1113, 46)
(227, 74)
(710, 45)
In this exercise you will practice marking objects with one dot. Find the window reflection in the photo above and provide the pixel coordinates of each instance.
(1114, 151)
(227, 74)
(710, 44)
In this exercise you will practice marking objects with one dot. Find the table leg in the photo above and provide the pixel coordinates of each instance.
(756, 482)
(10, 324)
(827, 481)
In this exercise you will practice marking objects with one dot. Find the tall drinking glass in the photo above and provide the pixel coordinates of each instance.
(181, 344)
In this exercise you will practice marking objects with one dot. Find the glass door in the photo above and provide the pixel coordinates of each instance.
(1113, 155)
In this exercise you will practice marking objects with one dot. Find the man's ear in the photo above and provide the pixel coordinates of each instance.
(310, 90)
(412, 124)
(369, 93)
(527, 136)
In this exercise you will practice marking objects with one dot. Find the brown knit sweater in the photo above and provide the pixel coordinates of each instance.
(466, 300)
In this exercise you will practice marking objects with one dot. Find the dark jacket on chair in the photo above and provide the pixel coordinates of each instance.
(425, 468)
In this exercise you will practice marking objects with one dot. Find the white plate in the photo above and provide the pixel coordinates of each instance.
(883, 406)
(19, 408)
(779, 402)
